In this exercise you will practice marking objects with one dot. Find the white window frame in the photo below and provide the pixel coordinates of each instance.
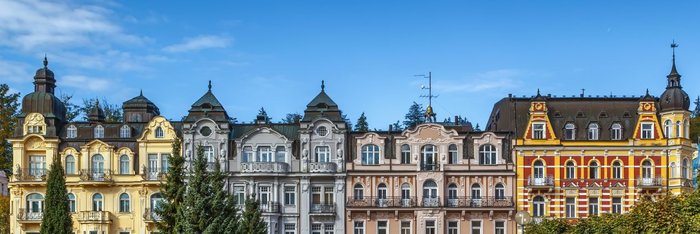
(570, 170)
(569, 131)
(616, 206)
(647, 133)
(616, 133)
(290, 195)
(434, 226)
(617, 170)
(405, 154)
(358, 229)
(505, 226)
(99, 131)
(452, 230)
(386, 228)
(406, 230)
(481, 226)
(72, 132)
(323, 153)
(593, 207)
(125, 131)
(488, 154)
(593, 130)
(539, 130)
(293, 229)
(264, 154)
(570, 213)
(452, 154)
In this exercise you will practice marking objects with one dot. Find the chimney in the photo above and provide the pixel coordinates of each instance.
(456, 120)
(390, 127)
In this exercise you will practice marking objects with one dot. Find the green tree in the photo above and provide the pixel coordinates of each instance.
(113, 112)
(4, 215)
(252, 221)
(547, 226)
(396, 126)
(173, 191)
(223, 213)
(695, 129)
(415, 116)
(197, 203)
(362, 125)
(72, 110)
(57, 218)
(292, 118)
(8, 110)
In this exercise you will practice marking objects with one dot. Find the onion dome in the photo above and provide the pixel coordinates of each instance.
(42, 100)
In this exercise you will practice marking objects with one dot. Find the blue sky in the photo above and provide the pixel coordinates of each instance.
(274, 54)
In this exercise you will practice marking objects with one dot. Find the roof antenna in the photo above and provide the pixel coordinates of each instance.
(323, 85)
(429, 114)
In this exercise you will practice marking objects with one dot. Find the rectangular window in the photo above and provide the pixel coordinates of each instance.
(476, 226)
(617, 171)
(452, 227)
(328, 196)
(382, 227)
(500, 227)
(316, 195)
(124, 233)
(570, 207)
(430, 227)
(264, 154)
(247, 154)
(405, 155)
(538, 131)
(152, 164)
(264, 195)
(405, 227)
(164, 162)
(616, 133)
(647, 130)
(239, 194)
(328, 229)
(289, 195)
(358, 227)
(323, 154)
(290, 228)
(37, 165)
(617, 205)
(315, 228)
(593, 206)
(209, 153)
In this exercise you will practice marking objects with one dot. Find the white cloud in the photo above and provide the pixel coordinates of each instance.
(14, 72)
(199, 43)
(87, 83)
(485, 81)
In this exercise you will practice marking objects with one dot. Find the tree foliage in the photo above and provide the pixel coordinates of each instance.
(173, 191)
(4, 215)
(415, 115)
(252, 221)
(396, 126)
(362, 125)
(695, 129)
(9, 106)
(72, 110)
(57, 218)
(113, 112)
(292, 118)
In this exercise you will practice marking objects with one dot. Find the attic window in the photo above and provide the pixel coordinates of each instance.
(580, 115)
(557, 114)
(322, 105)
(206, 106)
(603, 114)
(626, 115)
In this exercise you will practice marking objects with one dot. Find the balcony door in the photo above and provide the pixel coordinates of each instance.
(36, 165)
(430, 193)
(538, 173)
(381, 195)
(428, 158)
(98, 167)
(152, 165)
(405, 195)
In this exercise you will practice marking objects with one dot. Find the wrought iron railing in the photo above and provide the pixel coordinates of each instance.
(380, 202)
(430, 167)
(27, 215)
(152, 173)
(475, 202)
(94, 216)
(270, 207)
(543, 181)
(151, 216)
(649, 182)
(29, 174)
(322, 208)
(265, 167)
(95, 175)
(430, 202)
(322, 167)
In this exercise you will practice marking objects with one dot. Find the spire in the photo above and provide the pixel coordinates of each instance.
(209, 85)
(141, 92)
(323, 85)
(674, 79)
(46, 61)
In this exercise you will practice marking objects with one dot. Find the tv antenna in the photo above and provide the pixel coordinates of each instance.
(429, 114)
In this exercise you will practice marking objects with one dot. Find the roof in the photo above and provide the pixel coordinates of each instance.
(322, 106)
(291, 131)
(207, 106)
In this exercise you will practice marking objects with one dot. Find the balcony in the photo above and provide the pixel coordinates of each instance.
(150, 216)
(430, 202)
(545, 182)
(429, 167)
(264, 167)
(381, 202)
(25, 216)
(322, 167)
(270, 207)
(322, 209)
(649, 183)
(29, 175)
(152, 173)
(94, 217)
(96, 175)
(471, 202)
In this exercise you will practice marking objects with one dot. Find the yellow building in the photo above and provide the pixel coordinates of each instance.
(113, 169)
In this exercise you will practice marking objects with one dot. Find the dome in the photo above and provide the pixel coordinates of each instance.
(674, 98)
(45, 103)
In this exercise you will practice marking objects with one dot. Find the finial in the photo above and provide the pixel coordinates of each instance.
(209, 85)
(538, 92)
(647, 92)
(97, 102)
(323, 85)
(141, 92)
(46, 61)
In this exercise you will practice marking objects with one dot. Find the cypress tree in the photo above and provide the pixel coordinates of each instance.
(252, 221)
(362, 125)
(173, 192)
(57, 218)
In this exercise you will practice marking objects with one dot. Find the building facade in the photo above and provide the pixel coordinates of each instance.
(430, 179)
(584, 156)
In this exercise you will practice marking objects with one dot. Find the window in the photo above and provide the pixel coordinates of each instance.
(538, 170)
(358, 192)
(405, 154)
(99, 131)
(430, 194)
(616, 133)
(593, 206)
(239, 194)
(209, 153)
(125, 132)
(406, 195)
(538, 206)
(316, 195)
(382, 227)
(264, 195)
(617, 205)
(124, 164)
(647, 130)
(686, 129)
(452, 150)
(428, 158)
(124, 203)
(205, 131)
(452, 195)
(164, 158)
(674, 174)
(71, 202)
(247, 154)
(35, 203)
(316, 228)
(289, 195)
(569, 131)
(570, 207)
(617, 170)
(159, 132)
(37, 165)
(405, 227)
(684, 168)
(156, 200)
(98, 166)
(452, 227)
(97, 202)
(381, 195)
(290, 228)
(264, 154)
(570, 170)
(678, 128)
(328, 195)
(593, 131)
(487, 154)
(70, 165)
(668, 126)
(476, 226)
(72, 132)
(476, 195)
(323, 154)
(430, 227)
(370, 155)
(280, 154)
(153, 166)
(646, 169)
(322, 131)
(593, 170)
(538, 131)
(358, 227)
(500, 227)
(328, 228)
(500, 191)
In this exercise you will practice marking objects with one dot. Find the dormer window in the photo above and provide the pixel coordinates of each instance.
(159, 132)
(538, 131)
(647, 131)
(569, 131)
(593, 131)
(125, 132)
(72, 132)
(616, 133)
(99, 131)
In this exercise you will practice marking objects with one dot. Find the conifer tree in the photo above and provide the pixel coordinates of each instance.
(173, 192)
(362, 125)
(223, 207)
(415, 116)
(197, 203)
(57, 218)
(252, 221)
(8, 109)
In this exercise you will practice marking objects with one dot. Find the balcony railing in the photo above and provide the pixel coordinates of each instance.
(270, 207)
(152, 173)
(649, 182)
(381, 202)
(323, 208)
(540, 182)
(265, 167)
(151, 216)
(429, 167)
(29, 174)
(95, 175)
(26, 215)
(322, 167)
(94, 216)
(475, 202)
(430, 202)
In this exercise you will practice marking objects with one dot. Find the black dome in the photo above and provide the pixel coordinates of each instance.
(674, 98)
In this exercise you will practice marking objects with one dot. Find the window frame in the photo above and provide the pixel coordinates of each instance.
(647, 133)
(616, 132)
(371, 154)
(488, 154)
(405, 154)
(593, 131)
(539, 131)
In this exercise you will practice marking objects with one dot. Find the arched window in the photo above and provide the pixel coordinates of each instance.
(406, 195)
(674, 173)
(370, 154)
(35, 204)
(593, 131)
(487, 154)
(98, 166)
(70, 165)
(97, 202)
(616, 132)
(570, 170)
(125, 132)
(358, 192)
(323, 154)
(617, 170)
(72, 132)
(452, 154)
(667, 128)
(647, 169)
(156, 201)
(500, 191)
(405, 154)
(247, 154)
(281, 154)
(124, 203)
(430, 194)
(593, 170)
(684, 167)
(452, 200)
(686, 129)
(476, 191)
(124, 165)
(428, 158)
(569, 131)
(99, 131)
(381, 195)
(159, 132)
(538, 169)
(71, 202)
(678, 129)
(538, 206)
